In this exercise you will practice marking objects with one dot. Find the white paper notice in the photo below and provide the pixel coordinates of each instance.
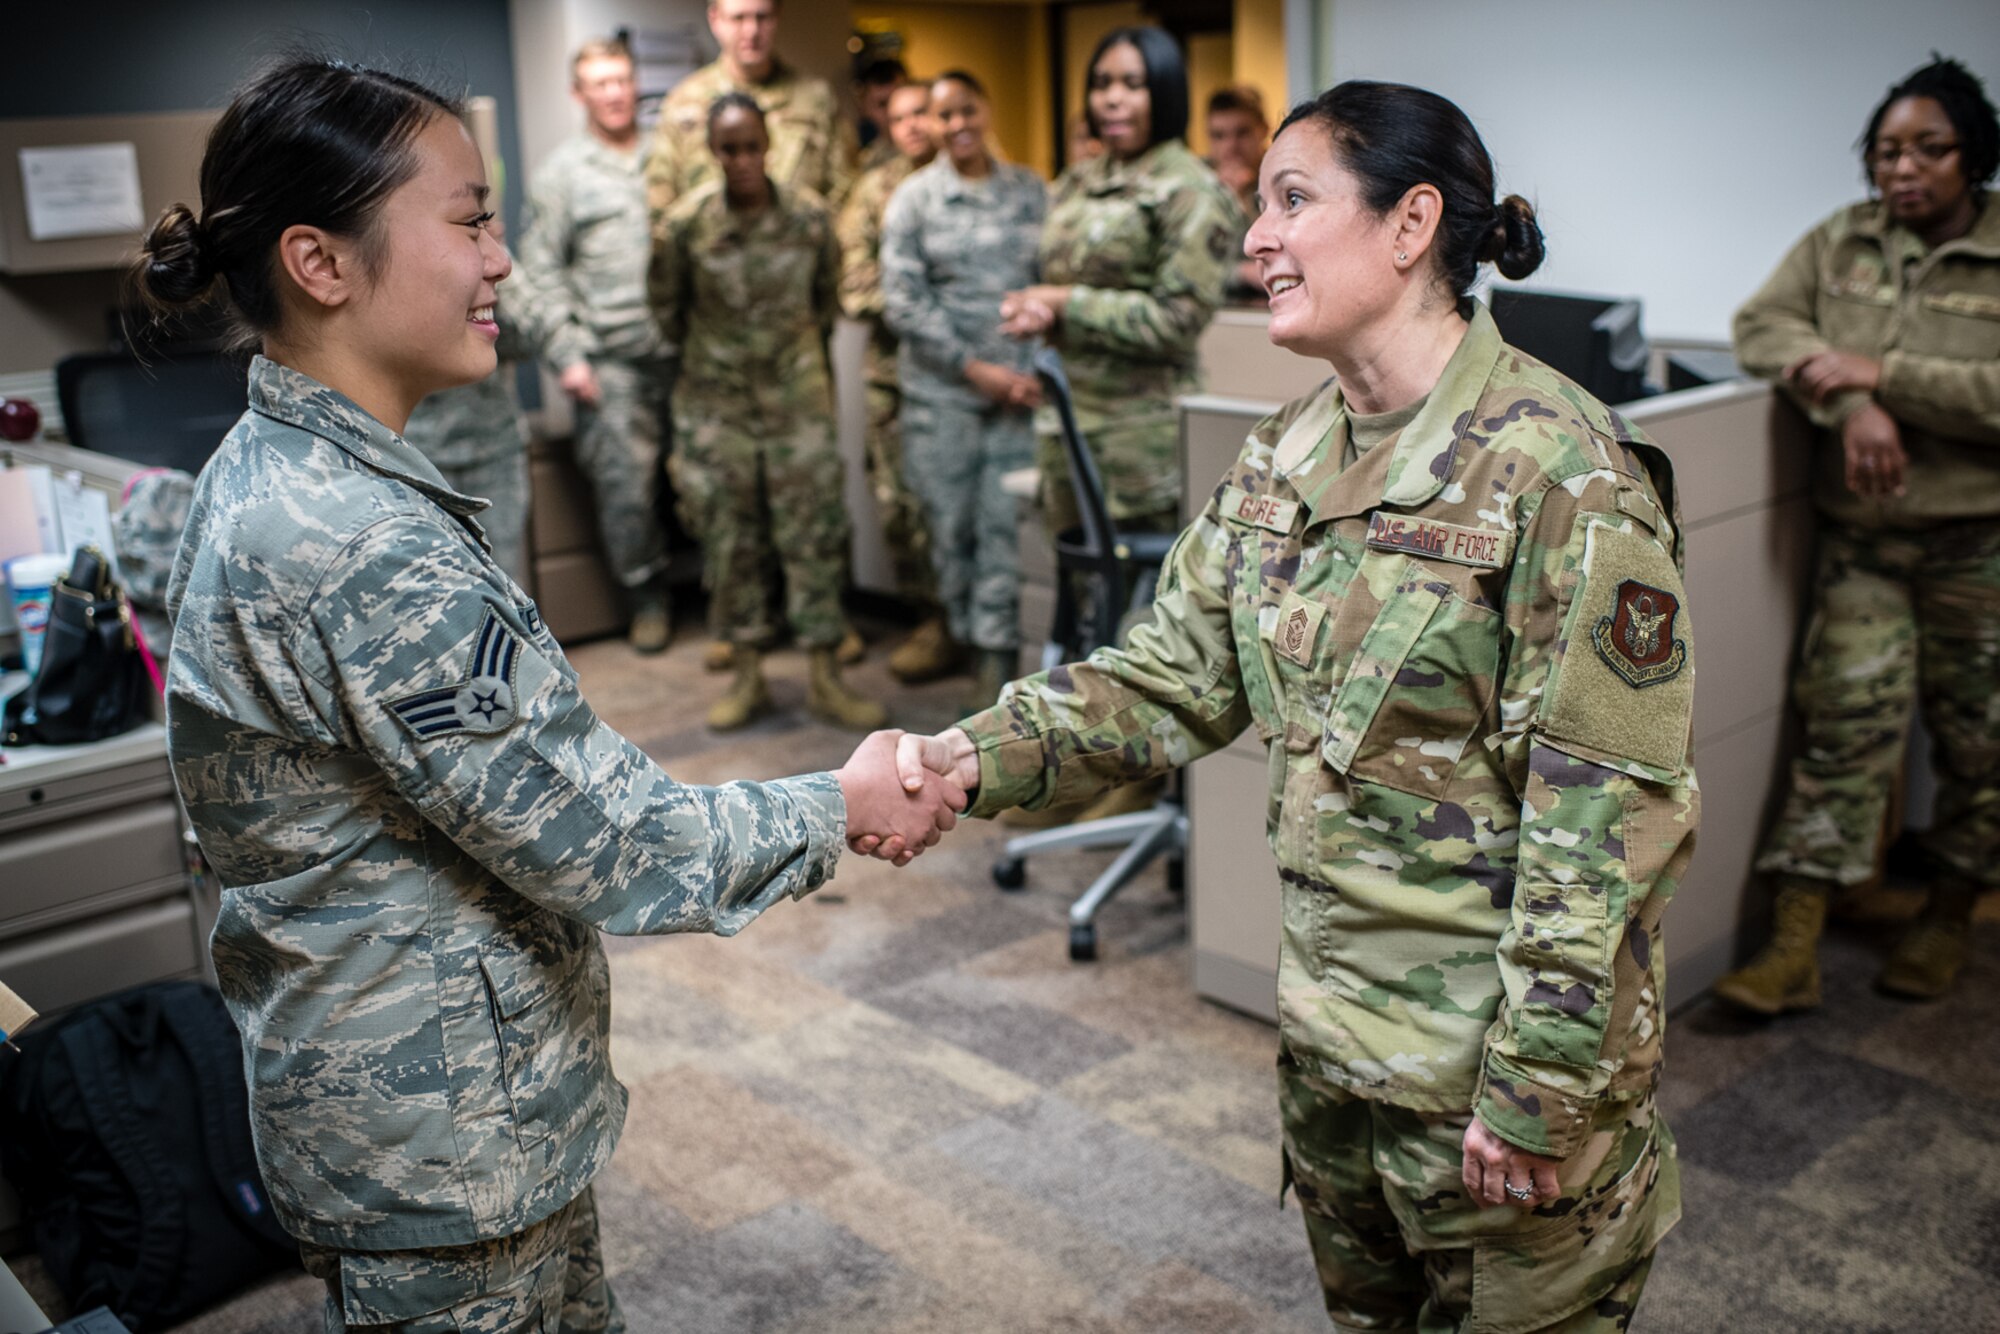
(81, 190)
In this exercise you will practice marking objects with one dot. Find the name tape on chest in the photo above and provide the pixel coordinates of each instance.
(482, 700)
(1437, 540)
(1259, 511)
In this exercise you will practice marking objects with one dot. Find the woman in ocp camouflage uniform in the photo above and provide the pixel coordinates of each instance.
(1445, 589)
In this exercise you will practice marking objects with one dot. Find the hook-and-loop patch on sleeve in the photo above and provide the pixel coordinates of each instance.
(1621, 689)
(483, 699)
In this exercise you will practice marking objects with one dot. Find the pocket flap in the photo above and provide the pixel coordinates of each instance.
(1372, 674)
(516, 989)
(1978, 305)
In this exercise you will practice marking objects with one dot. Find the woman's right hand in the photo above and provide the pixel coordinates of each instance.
(1008, 388)
(1023, 316)
(1875, 458)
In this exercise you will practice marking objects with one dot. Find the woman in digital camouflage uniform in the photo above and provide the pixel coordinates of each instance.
(1446, 591)
(1883, 323)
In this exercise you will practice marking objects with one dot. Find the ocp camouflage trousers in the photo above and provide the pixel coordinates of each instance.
(955, 457)
(618, 449)
(1401, 1246)
(904, 531)
(1897, 618)
(544, 1279)
(750, 488)
(1139, 463)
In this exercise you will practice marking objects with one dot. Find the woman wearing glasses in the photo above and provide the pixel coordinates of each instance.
(1884, 325)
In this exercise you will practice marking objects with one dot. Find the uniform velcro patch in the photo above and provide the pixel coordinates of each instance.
(481, 701)
(1260, 511)
(1637, 638)
(1482, 547)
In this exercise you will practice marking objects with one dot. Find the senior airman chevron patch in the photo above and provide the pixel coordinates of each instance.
(482, 701)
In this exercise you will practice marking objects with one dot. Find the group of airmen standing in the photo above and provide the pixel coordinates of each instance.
(683, 286)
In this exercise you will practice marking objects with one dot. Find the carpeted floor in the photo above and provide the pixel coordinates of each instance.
(897, 1106)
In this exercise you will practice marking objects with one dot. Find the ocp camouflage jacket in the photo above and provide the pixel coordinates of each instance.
(1859, 283)
(419, 827)
(1469, 658)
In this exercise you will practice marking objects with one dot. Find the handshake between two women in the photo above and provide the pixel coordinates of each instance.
(904, 791)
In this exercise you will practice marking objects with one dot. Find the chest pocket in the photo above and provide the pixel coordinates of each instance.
(1418, 682)
(1963, 325)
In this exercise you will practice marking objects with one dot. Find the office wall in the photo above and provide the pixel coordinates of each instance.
(139, 56)
(1675, 151)
(1258, 52)
(1004, 45)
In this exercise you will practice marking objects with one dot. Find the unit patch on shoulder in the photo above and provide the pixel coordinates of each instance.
(1637, 639)
(481, 701)
(1259, 511)
(1483, 547)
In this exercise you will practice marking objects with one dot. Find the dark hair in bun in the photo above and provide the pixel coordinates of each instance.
(311, 141)
(1393, 137)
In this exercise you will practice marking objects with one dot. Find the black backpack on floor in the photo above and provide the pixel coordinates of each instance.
(125, 1128)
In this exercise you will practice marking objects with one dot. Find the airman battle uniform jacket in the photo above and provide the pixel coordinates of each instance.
(419, 827)
(1860, 283)
(1468, 655)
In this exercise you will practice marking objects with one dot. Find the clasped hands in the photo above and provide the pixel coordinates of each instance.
(904, 792)
(1876, 461)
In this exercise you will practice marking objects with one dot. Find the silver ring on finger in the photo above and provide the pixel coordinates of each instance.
(1515, 1192)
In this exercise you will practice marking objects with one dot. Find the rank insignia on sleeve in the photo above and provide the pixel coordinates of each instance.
(481, 701)
(1637, 639)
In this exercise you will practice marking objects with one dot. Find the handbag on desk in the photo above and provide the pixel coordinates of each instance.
(93, 679)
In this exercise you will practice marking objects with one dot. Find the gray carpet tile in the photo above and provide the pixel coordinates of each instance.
(1031, 1040)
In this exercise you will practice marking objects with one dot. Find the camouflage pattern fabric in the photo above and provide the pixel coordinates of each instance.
(952, 248)
(1470, 658)
(751, 300)
(812, 145)
(419, 827)
(475, 434)
(1401, 1246)
(896, 505)
(1147, 247)
(587, 244)
(1898, 619)
(1859, 283)
(547, 1277)
(618, 449)
(146, 531)
(956, 457)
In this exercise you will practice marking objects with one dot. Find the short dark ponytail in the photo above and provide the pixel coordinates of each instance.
(1393, 137)
(311, 141)
(1959, 91)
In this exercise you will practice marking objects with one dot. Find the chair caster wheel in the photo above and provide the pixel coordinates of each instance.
(1083, 943)
(1176, 875)
(1010, 873)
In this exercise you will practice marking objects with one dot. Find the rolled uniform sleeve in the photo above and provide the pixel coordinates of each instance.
(1163, 319)
(1596, 737)
(1780, 324)
(1172, 695)
(411, 655)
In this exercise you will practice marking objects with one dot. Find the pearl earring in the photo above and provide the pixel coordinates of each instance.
(1402, 257)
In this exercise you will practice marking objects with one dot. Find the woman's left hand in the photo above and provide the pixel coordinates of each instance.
(1492, 1165)
(1821, 375)
(1032, 310)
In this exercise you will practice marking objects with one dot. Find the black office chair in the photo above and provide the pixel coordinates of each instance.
(164, 412)
(1103, 577)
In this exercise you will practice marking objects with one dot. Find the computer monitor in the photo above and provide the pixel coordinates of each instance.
(1595, 340)
(164, 411)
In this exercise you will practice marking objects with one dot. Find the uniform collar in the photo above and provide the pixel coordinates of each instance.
(1425, 452)
(1872, 221)
(1106, 174)
(960, 187)
(295, 398)
(775, 91)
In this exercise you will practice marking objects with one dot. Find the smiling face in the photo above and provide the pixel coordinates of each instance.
(1918, 165)
(961, 121)
(739, 143)
(610, 99)
(1121, 103)
(909, 115)
(424, 317)
(1325, 259)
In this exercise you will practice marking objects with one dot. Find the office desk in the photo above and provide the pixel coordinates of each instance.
(1740, 462)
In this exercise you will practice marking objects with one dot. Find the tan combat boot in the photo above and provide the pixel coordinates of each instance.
(719, 656)
(851, 649)
(1926, 960)
(1785, 974)
(928, 654)
(996, 669)
(830, 701)
(652, 627)
(747, 697)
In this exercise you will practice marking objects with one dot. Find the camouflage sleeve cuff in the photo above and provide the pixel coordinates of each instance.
(1010, 768)
(1528, 1114)
(822, 816)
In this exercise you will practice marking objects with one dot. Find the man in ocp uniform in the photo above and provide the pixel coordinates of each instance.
(586, 248)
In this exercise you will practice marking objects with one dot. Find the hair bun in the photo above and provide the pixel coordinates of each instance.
(177, 269)
(1515, 245)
